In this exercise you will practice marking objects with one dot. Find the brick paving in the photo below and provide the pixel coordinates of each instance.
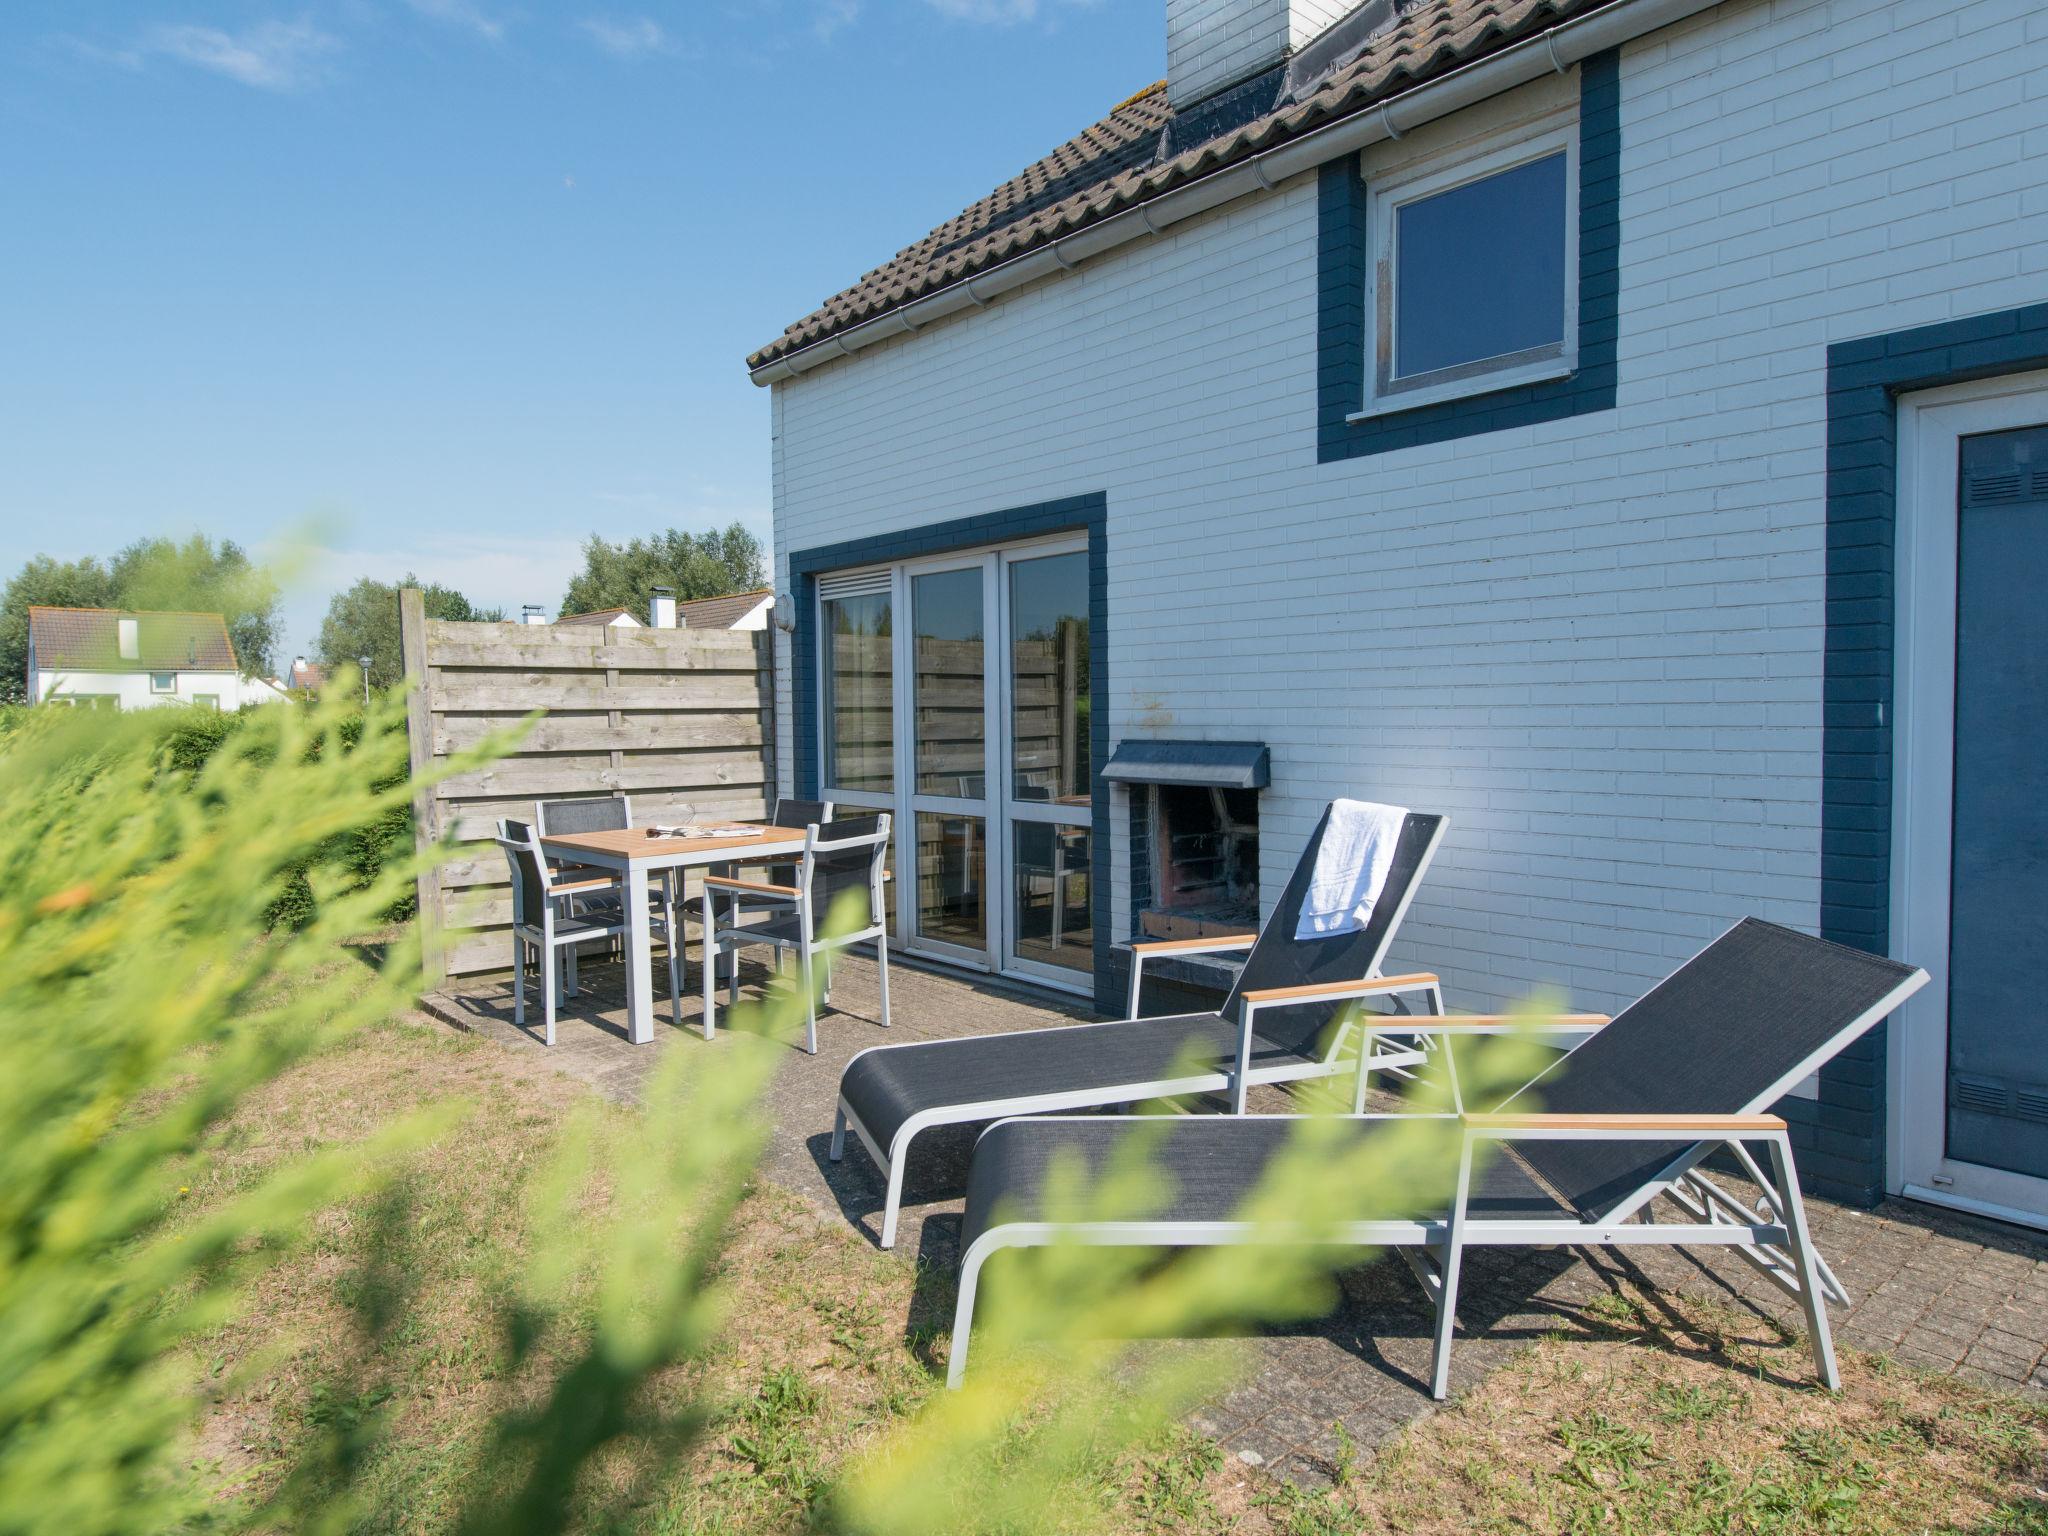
(1936, 1290)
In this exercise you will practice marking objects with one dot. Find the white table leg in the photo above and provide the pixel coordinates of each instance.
(639, 958)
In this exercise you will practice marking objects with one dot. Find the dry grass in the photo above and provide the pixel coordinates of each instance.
(1673, 1421)
(1664, 1423)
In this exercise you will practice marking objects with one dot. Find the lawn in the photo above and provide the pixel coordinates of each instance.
(1651, 1414)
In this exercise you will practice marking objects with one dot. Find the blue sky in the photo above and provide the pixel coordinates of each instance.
(446, 285)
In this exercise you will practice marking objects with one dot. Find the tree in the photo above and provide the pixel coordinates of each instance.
(197, 577)
(708, 564)
(154, 573)
(363, 621)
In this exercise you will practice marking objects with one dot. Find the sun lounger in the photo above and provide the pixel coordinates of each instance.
(1583, 1150)
(1275, 1026)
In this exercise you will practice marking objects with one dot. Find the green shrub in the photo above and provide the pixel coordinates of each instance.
(151, 993)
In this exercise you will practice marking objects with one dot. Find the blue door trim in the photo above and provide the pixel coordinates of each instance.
(1840, 1136)
(1342, 294)
(1088, 514)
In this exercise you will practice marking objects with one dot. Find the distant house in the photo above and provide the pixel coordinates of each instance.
(739, 610)
(111, 659)
(603, 618)
(305, 677)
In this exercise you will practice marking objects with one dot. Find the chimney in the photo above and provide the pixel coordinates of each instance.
(533, 613)
(129, 634)
(661, 611)
(1214, 44)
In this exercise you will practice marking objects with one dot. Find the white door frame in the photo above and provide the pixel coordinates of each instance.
(1930, 426)
(996, 807)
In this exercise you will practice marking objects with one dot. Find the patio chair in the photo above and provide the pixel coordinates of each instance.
(842, 859)
(777, 869)
(543, 919)
(1274, 1027)
(1626, 1117)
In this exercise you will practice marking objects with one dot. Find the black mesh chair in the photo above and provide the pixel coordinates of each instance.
(788, 812)
(1286, 1019)
(1582, 1151)
(601, 893)
(841, 870)
(548, 927)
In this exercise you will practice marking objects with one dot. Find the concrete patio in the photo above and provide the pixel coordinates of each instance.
(1937, 1291)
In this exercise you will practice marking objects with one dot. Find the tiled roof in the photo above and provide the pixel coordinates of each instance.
(1128, 157)
(309, 675)
(89, 640)
(603, 616)
(720, 612)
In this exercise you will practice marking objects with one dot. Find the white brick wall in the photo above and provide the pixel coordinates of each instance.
(1214, 43)
(1596, 643)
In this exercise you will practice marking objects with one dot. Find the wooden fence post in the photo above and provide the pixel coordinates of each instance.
(419, 735)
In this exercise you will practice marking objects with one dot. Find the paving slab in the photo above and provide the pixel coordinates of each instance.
(1938, 1289)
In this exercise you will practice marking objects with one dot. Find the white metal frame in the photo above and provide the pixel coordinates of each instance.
(1930, 426)
(996, 808)
(1237, 1082)
(1459, 166)
(1774, 1237)
(730, 936)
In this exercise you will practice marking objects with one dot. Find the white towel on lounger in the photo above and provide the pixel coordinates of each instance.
(1351, 867)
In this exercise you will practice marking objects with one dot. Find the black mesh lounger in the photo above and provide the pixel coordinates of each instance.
(1274, 1027)
(1624, 1118)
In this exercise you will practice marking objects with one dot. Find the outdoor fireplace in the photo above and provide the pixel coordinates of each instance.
(1204, 846)
(1194, 822)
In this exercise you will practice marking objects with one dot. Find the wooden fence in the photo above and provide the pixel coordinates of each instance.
(680, 720)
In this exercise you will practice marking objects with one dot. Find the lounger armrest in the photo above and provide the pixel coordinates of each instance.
(1338, 991)
(1484, 1023)
(760, 889)
(1214, 945)
(1624, 1127)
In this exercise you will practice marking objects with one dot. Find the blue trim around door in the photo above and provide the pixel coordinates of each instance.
(1072, 514)
(1840, 1137)
(1341, 276)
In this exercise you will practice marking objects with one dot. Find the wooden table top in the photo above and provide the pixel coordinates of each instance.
(637, 843)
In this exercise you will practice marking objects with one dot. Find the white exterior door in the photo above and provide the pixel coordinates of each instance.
(1969, 1068)
(954, 694)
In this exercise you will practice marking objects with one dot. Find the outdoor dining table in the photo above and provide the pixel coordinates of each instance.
(638, 852)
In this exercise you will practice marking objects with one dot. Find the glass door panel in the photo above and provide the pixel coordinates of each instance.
(860, 731)
(1050, 911)
(952, 879)
(1047, 779)
(950, 731)
(1049, 678)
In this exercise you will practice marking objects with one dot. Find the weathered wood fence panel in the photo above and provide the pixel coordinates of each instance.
(679, 720)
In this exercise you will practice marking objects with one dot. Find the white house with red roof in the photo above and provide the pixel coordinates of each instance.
(109, 658)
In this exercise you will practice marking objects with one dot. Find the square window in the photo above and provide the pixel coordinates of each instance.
(1475, 270)
(206, 700)
(163, 682)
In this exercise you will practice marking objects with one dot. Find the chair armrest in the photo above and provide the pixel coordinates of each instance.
(1483, 1023)
(1209, 946)
(577, 887)
(752, 888)
(1626, 1127)
(1338, 991)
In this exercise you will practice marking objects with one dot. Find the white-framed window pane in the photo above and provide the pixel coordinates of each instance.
(163, 682)
(860, 726)
(948, 650)
(1049, 683)
(1480, 269)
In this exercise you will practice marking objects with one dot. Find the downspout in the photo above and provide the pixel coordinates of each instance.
(1554, 50)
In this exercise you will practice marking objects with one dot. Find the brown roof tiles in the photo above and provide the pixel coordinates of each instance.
(1111, 166)
(89, 640)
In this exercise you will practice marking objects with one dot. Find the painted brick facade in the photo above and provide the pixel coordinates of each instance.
(1598, 642)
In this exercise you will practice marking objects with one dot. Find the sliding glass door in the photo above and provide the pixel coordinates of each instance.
(956, 696)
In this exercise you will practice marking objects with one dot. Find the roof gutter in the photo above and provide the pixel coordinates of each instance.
(1554, 50)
